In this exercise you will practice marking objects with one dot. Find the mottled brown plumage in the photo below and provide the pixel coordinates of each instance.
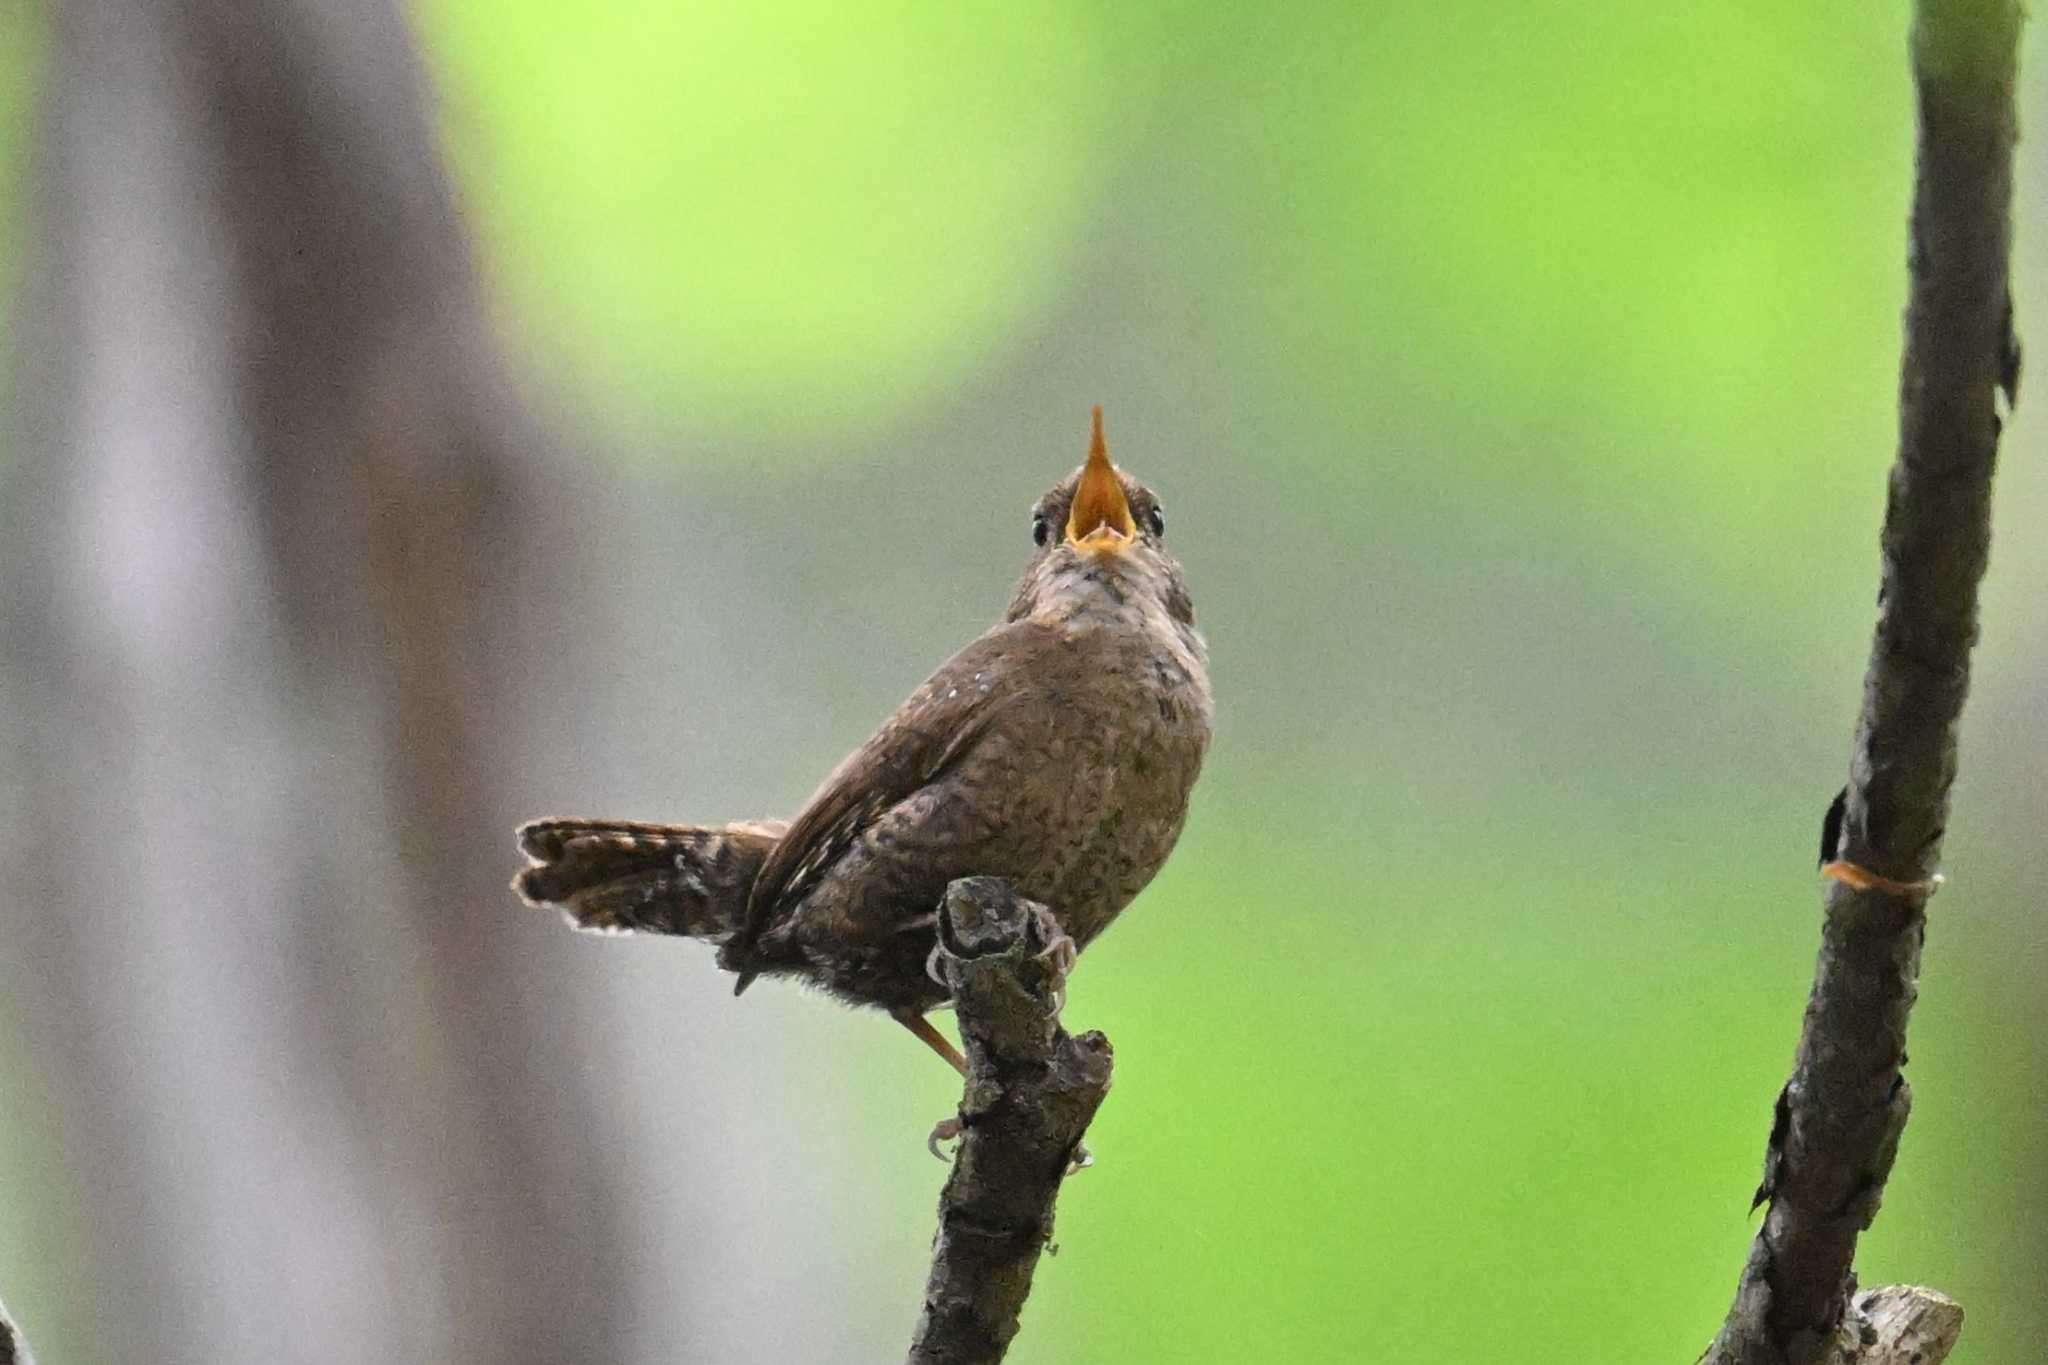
(1057, 750)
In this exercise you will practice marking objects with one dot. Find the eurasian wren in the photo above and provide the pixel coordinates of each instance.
(1057, 750)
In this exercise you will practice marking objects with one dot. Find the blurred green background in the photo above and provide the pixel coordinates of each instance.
(1519, 382)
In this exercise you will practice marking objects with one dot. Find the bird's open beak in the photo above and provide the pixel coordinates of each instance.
(1101, 520)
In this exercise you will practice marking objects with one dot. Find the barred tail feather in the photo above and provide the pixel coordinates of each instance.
(667, 879)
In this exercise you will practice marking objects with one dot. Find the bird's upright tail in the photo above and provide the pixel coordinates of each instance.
(667, 879)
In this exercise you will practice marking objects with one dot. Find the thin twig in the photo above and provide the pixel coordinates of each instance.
(1031, 1092)
(13, 1348)
(1840, 1116)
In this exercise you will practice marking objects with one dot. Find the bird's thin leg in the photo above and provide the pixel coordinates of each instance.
(928, 1033)
(947, 1128)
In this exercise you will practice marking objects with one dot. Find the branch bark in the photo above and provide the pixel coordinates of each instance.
(1841, 1114)
(1031, 1092)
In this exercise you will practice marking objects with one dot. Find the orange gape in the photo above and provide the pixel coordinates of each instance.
(1099, 501)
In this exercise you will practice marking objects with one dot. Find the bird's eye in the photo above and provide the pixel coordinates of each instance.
(1155, 520)
(1039, 530)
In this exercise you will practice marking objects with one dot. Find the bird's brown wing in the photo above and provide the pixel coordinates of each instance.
(929, 733)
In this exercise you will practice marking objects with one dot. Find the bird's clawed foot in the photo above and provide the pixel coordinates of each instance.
(945, 1130)
(949, 1129)
(1060, 952)
(1058, 955)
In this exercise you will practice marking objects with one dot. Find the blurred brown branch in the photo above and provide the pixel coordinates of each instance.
(1841, 1114)
(1031, 1091)
(272, 545)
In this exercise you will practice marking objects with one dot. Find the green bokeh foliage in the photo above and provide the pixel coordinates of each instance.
(1453, 1035)
(1426, 1073)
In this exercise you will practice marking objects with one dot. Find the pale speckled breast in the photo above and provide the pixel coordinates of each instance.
(1076, 791)
(1136, 741)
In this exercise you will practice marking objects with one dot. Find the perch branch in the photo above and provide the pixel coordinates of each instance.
(1840, 1116)
(1031, 1092)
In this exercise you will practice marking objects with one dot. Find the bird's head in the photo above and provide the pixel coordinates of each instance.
(1100, 534)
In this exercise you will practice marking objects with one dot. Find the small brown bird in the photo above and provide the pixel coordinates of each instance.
(1057, 750)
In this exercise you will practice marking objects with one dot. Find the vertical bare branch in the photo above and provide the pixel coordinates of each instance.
(1031, 1092)
(1840, 1116)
